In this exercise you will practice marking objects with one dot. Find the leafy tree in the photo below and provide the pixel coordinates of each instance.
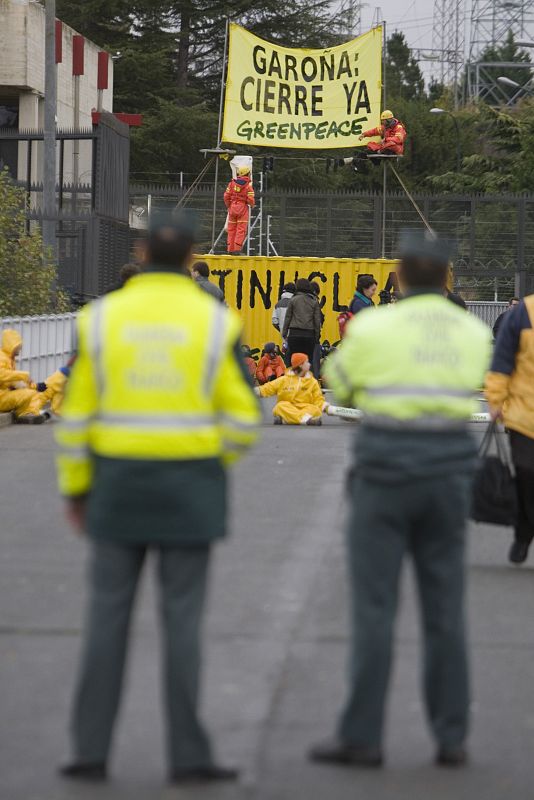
(492, 168)
(201, 25)
(436, 90)
(169, 141)
(25, 281)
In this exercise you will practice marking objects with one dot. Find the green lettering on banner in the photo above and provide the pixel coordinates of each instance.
(300, 131)
(244, 130)
(356, 126)
(320, 133)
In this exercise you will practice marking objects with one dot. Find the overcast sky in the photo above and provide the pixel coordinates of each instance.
(414, 17)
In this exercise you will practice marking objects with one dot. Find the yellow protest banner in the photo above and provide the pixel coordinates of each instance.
(296, 98)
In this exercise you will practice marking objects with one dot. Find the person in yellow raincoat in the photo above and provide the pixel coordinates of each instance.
(300, 400)
(54, 389)
(17, 392)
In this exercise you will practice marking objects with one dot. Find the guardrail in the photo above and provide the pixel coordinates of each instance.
(48, 341)
(486, 311)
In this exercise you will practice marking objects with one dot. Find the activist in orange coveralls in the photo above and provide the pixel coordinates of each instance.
(392, 133)
(238, 199)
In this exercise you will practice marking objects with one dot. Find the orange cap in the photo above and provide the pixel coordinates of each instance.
(297, 359)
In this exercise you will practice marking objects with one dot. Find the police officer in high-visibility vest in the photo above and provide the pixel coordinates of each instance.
(413, 369)
(156, 406)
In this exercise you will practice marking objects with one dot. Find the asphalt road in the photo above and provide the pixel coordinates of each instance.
(276, 644)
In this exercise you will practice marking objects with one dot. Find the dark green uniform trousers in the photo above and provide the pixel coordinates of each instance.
(114, 573)
(426, 518)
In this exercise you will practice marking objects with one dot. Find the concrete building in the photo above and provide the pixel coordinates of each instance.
(81, 68)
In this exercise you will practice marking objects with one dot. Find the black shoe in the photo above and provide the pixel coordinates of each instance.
(204, 774)
(314, 421)
(451, 757)
(336, 752)
(30, 419)
(84, 772)
(518, 552)
(277, 420)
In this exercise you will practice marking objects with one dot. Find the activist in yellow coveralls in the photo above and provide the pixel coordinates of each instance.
(17, 393)
(300, 400)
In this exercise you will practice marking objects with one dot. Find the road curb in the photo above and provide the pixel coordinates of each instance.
(5, 420)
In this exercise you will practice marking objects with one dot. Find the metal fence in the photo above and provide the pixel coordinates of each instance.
(47, 342)
(495, 233)
(487, 312)
(92, 216)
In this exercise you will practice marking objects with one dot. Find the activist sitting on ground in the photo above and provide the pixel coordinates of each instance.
(271, 365)
(250, 364)
(53, 388)
(17, 391)
(300, 400)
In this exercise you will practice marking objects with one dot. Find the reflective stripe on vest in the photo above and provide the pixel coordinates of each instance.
(417, 391)
(96, 340)
(424, 423)
(215, 348)
(76, 453)
(153, 421)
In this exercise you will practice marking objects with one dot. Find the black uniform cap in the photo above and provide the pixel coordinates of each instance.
(420, 243)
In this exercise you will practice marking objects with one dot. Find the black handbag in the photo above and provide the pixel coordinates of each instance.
(494, 491)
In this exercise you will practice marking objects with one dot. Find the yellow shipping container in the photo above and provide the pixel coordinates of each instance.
(252, 286)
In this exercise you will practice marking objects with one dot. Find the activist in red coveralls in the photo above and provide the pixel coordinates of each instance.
(238, 198)
(392, 133)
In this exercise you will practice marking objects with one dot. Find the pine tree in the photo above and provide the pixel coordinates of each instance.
(404, 78)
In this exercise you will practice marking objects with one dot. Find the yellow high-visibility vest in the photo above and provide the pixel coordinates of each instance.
(420, 361)
(158, 376)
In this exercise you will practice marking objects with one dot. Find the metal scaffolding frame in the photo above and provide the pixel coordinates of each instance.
(448, 43)
(492, 21)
